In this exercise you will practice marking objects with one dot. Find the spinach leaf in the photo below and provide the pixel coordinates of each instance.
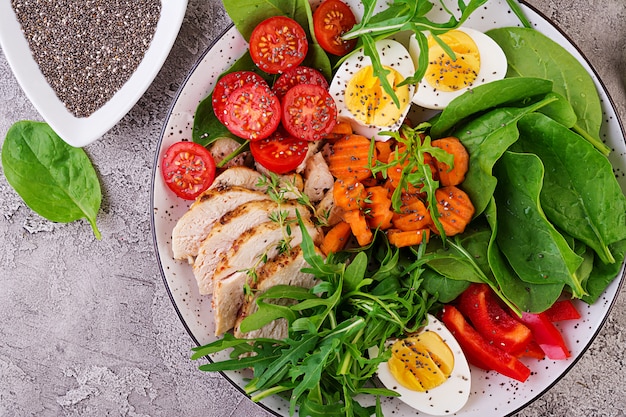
(580, 194)
(529, 297)
(486, 137)
(603, 274)
(532, 54)
(445, 289)
(537, 252)
(247, 14)
(487, 96)
(53, 178)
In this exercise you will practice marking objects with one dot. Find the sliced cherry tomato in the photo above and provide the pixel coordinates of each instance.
(277, 44)
(309, 112)
(188, 169)
(280, 153)
(331, 20)
(295, 76)
(229, 83)
(252, 112)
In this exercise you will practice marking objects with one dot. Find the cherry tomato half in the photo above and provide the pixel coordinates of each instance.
(309, 112)
(277, 44)
(252, 112)
(229, 83)
(280, 153)
(295, 76)
(188, 169)
(331, 20)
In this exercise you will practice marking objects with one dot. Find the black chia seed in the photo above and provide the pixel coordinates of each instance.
(87, 49)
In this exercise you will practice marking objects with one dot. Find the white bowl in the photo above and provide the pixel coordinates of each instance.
(81, 131)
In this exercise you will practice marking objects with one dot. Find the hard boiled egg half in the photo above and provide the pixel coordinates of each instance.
(360, 97)
(479, 60)
(428, 370)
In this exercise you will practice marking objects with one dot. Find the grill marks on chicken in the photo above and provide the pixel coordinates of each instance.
(234, 234)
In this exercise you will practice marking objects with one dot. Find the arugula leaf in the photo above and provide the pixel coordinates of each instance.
(54, 179)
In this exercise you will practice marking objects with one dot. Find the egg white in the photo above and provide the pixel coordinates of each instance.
(392, 54)
(493, 66)
(447, 398)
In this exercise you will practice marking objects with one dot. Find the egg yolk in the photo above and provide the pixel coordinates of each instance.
(422, 362)
(368, 102)
(444, 73)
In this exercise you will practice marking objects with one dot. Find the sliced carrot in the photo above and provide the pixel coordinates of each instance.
(349, 194)
(358, 225)
(413, 214)
(455, 209)
(341, 130)
(456, 175)
(349, 158)
(378, 208)
(336, 238)
(384, 150)
(401, 238)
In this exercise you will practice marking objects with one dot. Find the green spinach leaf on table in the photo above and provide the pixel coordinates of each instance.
(603, 274)
(535, 249)
(580, 194)
(532, 54)
(53, 178)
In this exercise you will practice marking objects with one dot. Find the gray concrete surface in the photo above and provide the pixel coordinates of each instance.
(86, 326)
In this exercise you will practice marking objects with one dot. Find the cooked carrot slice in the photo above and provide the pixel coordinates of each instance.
(455, 209)
(456, 175)
(349, 194)
(358, 225)
(341, 130)
(336, 238)
(401, 238)
(413, 214)
(378, 208)
(349, 158)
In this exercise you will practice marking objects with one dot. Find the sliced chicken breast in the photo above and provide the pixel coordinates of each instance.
(258, 243)
(318, 179)
(227, 301)
(194, 226)
(230, 227)
(254, 180)
(285, 269)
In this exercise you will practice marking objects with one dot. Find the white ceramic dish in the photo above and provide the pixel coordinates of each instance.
(82, 131)
(492, 394)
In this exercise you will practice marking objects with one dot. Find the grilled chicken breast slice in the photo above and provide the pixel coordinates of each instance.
(229, 227)
(194, 226)
(261, 242)
(285, 269)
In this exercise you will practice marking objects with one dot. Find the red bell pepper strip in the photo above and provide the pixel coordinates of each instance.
(546, 335)
(480, 305)
(562, 310)
(531, 350)
(479, 351)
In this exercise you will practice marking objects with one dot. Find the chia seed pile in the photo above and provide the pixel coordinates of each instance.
(87, 49)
